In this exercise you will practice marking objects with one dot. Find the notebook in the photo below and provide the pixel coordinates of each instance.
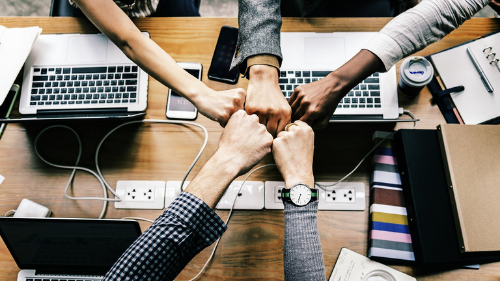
(471, 156)
(309, 56)
(475, 104)
(430, 214)
(69, 249)
(71, 74)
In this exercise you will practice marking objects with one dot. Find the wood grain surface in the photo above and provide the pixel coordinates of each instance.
(252, 248)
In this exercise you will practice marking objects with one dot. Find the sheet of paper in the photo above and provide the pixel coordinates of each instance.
(475, 104)
(15, 46)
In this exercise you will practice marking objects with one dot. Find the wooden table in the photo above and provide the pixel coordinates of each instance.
(252, 248)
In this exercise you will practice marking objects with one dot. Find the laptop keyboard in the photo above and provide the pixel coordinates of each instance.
(63, 86)
(365, 95)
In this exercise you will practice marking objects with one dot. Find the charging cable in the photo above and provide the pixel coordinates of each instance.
(104, 184)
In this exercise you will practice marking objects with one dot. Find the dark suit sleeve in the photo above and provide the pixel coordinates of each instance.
(259, 31)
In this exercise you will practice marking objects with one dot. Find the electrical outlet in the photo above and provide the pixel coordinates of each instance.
(140, 195)
(251, 196)
(272, 198)
(173, 190)
(349, 196)
(341, 195)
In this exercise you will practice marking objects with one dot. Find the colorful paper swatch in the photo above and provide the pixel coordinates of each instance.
(389, 232)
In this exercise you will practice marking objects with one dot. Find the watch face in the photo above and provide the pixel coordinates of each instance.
(300, 194)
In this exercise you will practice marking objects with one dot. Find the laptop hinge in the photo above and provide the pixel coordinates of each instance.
(82, 111)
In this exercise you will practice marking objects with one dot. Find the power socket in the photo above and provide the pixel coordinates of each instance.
(251, 196)
(272, 196)
(140, 195)
(349, 196)
(173, 190)
(345, 196)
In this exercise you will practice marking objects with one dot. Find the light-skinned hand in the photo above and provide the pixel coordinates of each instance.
(293, 152)
(219, 106)
(265, 99)
(244, 142)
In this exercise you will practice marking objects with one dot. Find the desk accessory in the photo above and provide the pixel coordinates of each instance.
(389, 234)
(15, 46)
(351, 266)
(6, 107)
(430, 215)
(471, 157)
(415, 72)
(473, 104)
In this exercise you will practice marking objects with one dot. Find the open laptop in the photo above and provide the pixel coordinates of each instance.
(66, 249)
(309, 56)
(81, 76)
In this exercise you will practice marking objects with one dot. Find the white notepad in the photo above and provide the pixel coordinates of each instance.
(475, 104)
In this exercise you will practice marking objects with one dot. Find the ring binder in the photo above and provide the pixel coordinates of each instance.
(492, 55)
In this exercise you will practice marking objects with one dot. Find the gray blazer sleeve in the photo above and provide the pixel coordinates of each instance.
(259, 30)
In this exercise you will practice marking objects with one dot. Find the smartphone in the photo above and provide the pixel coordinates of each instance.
(223, 55)
(178, 107)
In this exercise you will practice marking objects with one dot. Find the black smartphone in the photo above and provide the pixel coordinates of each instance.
(223, 55)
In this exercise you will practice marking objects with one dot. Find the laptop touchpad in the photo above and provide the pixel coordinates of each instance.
(324, 50)
(87, 48)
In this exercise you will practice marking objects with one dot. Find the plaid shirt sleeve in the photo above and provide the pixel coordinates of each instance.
(186, 227)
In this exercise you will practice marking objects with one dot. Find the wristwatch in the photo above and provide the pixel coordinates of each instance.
(300, 194)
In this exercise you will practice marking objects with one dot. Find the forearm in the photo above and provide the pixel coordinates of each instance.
(420, 26)
(185, 228)
(259, 30)
(116, 25)
(212, 181)
(303, 256)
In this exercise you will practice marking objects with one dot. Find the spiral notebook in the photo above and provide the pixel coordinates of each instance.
(475, 104)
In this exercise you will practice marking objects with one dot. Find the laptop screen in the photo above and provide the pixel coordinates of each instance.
(77, 246)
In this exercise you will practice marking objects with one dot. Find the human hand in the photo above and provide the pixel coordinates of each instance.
(220, 105)
(244, 142)
(265, 99)
(314, 103)
(293, 152)
(495, 5)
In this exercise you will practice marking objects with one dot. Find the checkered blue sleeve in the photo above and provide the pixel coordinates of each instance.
(186, 227)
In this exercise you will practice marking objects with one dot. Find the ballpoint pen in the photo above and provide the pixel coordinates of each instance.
(485, 80)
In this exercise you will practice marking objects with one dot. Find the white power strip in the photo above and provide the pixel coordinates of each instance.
(251, 198)
(140, 195)
(345, 196)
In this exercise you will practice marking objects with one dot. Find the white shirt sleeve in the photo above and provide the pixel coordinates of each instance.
(420, 26)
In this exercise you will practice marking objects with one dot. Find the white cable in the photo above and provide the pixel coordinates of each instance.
(9, 213)
(152, 121)
(74, 168)
(99, 175)
(227, 220)
(137, 219)
(323, 186)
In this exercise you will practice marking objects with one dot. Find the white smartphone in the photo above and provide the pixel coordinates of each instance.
(179, 107)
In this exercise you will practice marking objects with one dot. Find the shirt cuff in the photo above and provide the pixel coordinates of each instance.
(386, 49)
(270, 60)
(198, 216)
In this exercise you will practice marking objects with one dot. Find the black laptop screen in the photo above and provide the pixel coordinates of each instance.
(73, 245)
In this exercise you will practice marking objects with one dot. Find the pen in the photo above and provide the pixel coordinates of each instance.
(485, 80)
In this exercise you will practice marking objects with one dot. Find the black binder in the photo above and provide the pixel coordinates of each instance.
(428, 204)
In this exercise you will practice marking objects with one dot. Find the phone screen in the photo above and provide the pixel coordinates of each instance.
(223, 56)
(178, 102)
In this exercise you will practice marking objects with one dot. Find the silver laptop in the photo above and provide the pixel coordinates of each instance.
(85, 74)
(309, 56)
(66, 249)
